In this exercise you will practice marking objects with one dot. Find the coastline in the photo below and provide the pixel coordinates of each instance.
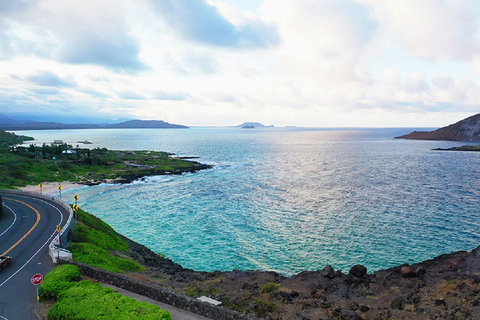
(51, 188)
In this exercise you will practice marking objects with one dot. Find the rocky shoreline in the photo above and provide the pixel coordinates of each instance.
(446, 287)
(128, 178)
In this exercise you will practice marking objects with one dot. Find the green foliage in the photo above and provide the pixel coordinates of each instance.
(210, 290)
(58, 280)
(269, 287)
(93, 230)
(92, 240)
(89, 300)
(8, 139)
(95, 256)
(34, 165)
(76, 299)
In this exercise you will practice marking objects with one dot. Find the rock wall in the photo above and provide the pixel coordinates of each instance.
(156, 293)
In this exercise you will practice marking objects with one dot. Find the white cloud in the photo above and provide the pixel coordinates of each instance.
(287, 62)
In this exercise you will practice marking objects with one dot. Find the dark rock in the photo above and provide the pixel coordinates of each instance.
(328, 272)
(420, 271)
(358, 271)
(440, 302)
(349, 314)
(407, 272)
(364, 308)
(399, 303)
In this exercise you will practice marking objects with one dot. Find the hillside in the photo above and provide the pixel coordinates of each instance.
(146, 124)
(464, 130)
(10, 124)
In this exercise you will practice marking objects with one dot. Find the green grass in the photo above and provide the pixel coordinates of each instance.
(76, 299)
(20, 165)
(93, 242)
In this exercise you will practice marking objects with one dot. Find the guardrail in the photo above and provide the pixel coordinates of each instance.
(65, 235)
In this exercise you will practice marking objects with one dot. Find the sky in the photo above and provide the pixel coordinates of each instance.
(308, 63)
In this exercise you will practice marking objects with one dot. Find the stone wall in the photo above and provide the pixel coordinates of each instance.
(156, 293)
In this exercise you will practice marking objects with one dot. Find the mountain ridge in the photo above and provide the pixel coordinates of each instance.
(467, 129)
(11, 124)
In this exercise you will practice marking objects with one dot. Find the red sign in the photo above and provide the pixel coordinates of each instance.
(37, 279)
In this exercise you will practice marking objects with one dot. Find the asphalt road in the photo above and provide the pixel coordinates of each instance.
(27, 228)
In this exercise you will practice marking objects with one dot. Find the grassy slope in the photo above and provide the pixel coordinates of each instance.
(34, 165)
(93, 242)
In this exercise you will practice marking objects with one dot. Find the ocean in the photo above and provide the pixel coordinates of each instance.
(290, 199)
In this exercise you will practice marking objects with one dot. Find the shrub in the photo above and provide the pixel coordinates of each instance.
(58, 280)
(269, 287)
(86, 300)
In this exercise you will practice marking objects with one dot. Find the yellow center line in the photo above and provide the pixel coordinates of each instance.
(29, 231)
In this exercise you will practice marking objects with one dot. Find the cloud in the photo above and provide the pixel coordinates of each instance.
(201, 22)
(115, 51)
(87, 32)
(430, 29)
(50, 79)
(130, 95)
(170, 96)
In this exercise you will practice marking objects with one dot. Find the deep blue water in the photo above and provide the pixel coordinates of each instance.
(291, 199)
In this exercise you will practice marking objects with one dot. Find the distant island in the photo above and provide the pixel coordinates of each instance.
(252, 125)
(464, 130)
(11, 124)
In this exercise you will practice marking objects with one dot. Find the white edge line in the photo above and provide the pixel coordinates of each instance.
(14, 220)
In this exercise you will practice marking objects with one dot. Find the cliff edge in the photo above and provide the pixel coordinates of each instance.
(464, 130)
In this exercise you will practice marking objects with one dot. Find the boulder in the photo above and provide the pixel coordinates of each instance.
(358, 271)
(328, 272)
(407, 272)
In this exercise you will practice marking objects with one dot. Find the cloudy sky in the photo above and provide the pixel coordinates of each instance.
(318, 63)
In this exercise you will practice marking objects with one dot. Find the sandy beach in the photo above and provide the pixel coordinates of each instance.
(51, 187)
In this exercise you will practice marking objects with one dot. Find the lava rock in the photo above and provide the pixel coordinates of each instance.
(399, 303)
(358, 271)
(328, 272)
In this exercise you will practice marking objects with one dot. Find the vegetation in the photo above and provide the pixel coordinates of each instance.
(21, 165)
(269, 287)
(94, 241)
(80, 299)
(9, 139)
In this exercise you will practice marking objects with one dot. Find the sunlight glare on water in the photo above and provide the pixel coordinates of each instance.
(291, 199)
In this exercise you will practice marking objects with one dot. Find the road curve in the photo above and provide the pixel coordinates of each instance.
(27, 228)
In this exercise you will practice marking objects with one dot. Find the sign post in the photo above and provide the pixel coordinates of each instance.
(60, 191)
(36, 280)
(41, 186)
(59, 229)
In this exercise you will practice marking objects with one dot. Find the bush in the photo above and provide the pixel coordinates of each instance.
(58, 280)
(89, 300)
(269, 287)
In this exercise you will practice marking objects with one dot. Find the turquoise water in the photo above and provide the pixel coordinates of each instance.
(291, 199)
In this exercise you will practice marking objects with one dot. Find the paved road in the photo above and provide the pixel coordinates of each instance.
(28, 226)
